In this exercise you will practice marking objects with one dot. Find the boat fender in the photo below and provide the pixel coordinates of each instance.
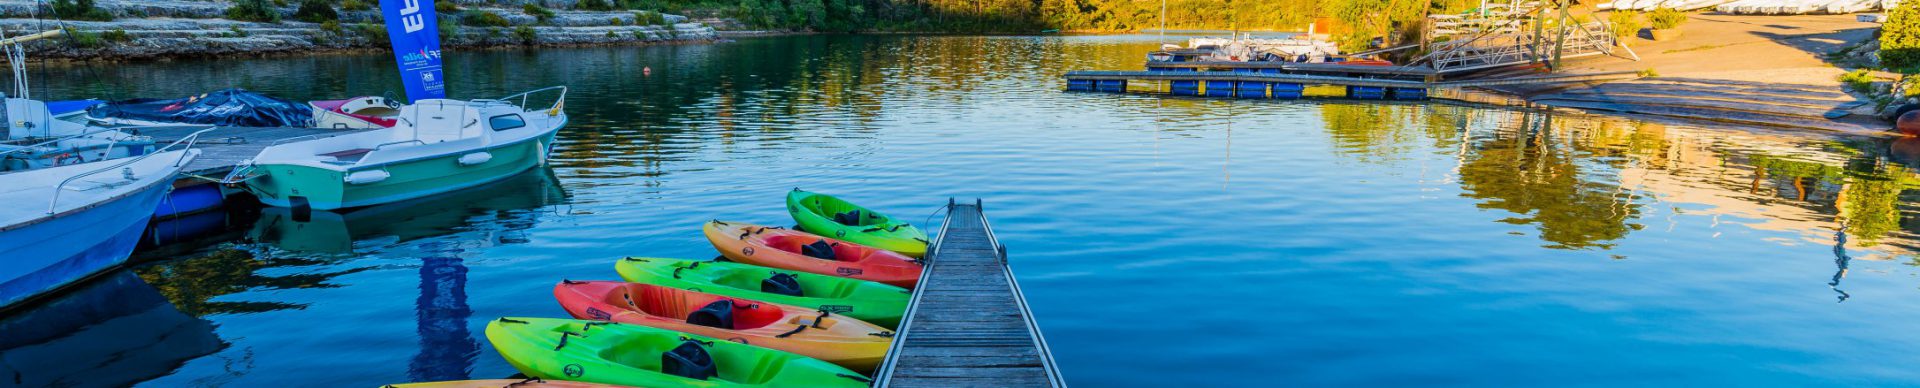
(366, 177)
(475, 158)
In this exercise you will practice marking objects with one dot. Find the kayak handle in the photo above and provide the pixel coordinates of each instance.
(796, 330)
(563, 339)
(512, 321)
(702, 343)
(823, 316)
(882, 334)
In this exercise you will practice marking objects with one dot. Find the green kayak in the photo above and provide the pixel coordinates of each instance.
(825, 215)
(622, 354)
(875, 303)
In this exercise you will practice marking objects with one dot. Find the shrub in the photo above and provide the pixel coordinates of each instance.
(374, 31)
(538, 11)
(616, 21)
(80, 10)
(611, 34)
(237, 32)
(355, 5)
(526, 34)
(485, 19)
(594, 5)
(332, 26)
(315, 11)
(1860, 80)
(649, 18)
(253, 11)
(1664, 18)
(1623, 24)
(85, 39)
(117, 35)
(445, 6)
(1900, 38)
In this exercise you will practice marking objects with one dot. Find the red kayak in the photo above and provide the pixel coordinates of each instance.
(807, 252)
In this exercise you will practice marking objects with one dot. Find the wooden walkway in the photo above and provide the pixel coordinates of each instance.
(968, 325)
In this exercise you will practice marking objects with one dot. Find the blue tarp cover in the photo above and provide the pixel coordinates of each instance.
(227, 107)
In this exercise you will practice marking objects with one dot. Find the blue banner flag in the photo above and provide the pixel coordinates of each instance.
(415, 33)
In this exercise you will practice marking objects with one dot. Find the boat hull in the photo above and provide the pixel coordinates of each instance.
(291, 185)
(48, 255)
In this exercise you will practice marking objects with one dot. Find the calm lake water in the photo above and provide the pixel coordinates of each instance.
(1161, 241)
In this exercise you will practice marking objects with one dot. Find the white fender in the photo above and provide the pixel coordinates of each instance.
(366, 177)
(475, 158)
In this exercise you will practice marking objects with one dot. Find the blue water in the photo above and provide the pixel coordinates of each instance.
(1160, 241)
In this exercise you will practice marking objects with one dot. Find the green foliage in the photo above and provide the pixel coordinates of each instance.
(236, 32)
(1900, 38)
(525, 34)
(445, 6)
(537, 11)
(372, 31)
(355, 5)
(253, 11)
(1664, 18)
(85, 39)
(649, 18)
(80, 10)
(1858, 80)
(332, 26)
(448, 30)
(1623, 24)
(616, 21)
(117, 35)
(594, 5)
(484, 19)
(315, 11)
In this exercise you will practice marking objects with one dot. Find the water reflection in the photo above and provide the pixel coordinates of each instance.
(114, 331)
(508, 202)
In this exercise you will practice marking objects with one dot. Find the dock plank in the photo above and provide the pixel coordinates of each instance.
(968, 326)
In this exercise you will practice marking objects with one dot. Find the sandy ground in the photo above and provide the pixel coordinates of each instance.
(1779, 49)
(1756, 70)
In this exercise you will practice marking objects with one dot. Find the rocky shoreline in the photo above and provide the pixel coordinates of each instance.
(162, 29)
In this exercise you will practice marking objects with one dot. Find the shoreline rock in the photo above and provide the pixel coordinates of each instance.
(166, 29)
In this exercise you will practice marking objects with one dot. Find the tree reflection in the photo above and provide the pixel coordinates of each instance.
(1531, 173)
(192, 283)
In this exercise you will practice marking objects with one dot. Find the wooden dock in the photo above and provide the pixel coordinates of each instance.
(968, 324)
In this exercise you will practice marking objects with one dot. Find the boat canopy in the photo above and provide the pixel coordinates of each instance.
(226, 107)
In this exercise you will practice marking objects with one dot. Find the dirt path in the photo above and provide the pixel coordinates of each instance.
(1732, 68)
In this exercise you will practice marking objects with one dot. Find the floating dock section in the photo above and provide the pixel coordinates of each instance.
(1273, 81)
(968, 324)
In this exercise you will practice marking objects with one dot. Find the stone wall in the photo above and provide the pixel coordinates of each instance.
(160, 28)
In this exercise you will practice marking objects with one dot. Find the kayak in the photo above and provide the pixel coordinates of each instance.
(504, 383)
(872, 302)
(813, 333)
(615, 353)
(828, 216)
(806, 252)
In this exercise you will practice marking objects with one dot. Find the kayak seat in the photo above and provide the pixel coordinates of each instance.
(689, 360)
(782, 284)
(819, 249)
(851, 218)
(717, 314)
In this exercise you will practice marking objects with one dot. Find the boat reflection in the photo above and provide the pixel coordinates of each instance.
(511, 201)
(113, 331)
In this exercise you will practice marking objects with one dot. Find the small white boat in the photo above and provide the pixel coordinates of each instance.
(436, 146)
(357, 112)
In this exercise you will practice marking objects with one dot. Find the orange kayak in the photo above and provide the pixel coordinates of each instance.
(813, 333)
(521, 383)
(806, 252)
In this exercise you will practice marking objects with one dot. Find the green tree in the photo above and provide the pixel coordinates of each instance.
(1900, 38)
